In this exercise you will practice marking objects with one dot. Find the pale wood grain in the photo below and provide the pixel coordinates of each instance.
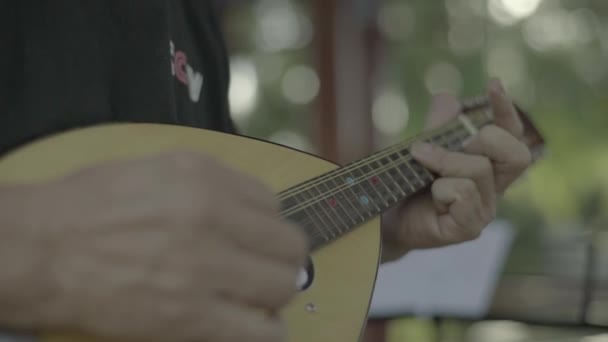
(345, 269)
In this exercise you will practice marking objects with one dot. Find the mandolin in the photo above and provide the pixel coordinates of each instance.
(337, 207)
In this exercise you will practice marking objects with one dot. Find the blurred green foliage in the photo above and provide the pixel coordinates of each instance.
(562, 82)
(551, 54)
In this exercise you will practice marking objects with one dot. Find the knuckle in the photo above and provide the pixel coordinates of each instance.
(490, 214)
(443, 156)
(484, 214)
(473, 234)
(467, 188)
(524, 159)
(489, 133)
(484, 166)
(443, 161)
(469, 232)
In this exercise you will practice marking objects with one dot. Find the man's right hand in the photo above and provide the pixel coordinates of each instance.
(176, 247)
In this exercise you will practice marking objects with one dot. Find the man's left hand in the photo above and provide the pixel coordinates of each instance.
(462, 201)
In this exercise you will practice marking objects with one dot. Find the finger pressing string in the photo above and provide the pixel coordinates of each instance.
(505, 114)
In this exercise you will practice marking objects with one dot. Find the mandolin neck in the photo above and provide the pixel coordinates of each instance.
(333, 204)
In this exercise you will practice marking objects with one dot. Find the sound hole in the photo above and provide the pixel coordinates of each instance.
(306, 276)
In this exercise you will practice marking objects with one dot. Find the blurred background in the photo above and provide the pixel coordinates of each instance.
(343, 78)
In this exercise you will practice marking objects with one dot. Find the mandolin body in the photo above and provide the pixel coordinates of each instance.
(333, 309)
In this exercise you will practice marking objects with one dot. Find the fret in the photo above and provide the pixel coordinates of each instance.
(454, 138)
(342, 197)
(362, 211)
(467, 124)
(317, 222)
(448, 142)
(445, 139)
(361, 199)
(414, 180)
(336, 202)
(439, 139)
(461, 136)
(385, 179)
(317, 241)
(363, 191)
(347, 197)
(322, 227)
(384, 182)
(299, 217)
(373, 182)
(410, 172)
(392, 173)
(456, 141)
(303, 220)
(397, 162)
(289, 203)
(331, 226)
(327, 209)
(425, 175)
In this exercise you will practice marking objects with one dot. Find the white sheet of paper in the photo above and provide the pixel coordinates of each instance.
(455, 281)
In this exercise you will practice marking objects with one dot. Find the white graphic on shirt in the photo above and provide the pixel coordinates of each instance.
(185, 73)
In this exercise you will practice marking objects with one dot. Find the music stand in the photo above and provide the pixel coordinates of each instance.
(456, 281)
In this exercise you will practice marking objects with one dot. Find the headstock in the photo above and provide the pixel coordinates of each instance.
(532, 136)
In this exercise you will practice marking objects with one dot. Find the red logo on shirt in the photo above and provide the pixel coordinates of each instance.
(185, 73)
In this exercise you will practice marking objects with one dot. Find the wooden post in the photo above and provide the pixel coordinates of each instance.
(345, 47)
(325, 120)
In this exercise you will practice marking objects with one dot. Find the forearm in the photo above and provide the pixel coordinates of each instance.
(22, 259)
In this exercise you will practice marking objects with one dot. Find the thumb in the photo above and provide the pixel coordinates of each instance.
(444, 107)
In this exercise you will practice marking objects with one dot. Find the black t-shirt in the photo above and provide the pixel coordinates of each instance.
(66, 64)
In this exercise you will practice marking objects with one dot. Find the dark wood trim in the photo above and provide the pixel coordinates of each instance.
(325, 118)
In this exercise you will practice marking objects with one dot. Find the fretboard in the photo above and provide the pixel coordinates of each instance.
(335, 203)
